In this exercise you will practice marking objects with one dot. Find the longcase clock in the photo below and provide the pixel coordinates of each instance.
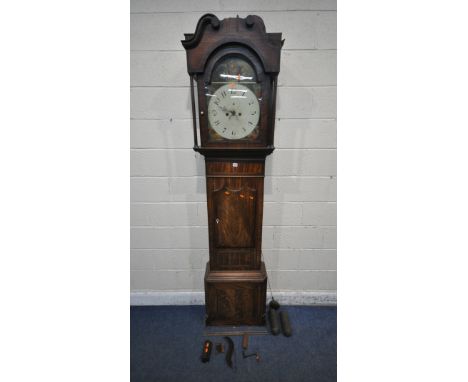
(233, 66)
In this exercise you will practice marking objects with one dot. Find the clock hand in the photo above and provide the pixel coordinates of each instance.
(223, 109)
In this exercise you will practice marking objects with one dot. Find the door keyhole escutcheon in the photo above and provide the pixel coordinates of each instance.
(217, 220)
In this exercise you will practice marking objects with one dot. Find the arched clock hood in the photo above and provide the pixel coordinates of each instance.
(212, 34)
(247, 38)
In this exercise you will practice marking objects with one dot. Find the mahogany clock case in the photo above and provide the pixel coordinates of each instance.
(235, 277)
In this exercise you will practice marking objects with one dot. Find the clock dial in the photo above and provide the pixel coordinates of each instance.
(234, 69)
(233, 111)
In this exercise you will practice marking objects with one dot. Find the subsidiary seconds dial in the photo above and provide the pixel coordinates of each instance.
(233, 111)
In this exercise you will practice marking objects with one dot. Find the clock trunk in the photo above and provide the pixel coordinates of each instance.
(235, 208)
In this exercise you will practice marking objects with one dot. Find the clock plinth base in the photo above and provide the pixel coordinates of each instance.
(235, 297)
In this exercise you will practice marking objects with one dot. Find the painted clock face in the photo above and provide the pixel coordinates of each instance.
(233, 111)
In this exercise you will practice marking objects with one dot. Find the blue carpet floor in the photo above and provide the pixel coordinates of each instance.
(166, 344)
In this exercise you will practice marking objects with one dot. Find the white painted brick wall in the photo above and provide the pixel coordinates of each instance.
(169, 235)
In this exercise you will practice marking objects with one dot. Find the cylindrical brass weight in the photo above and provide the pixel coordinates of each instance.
(245, 341)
